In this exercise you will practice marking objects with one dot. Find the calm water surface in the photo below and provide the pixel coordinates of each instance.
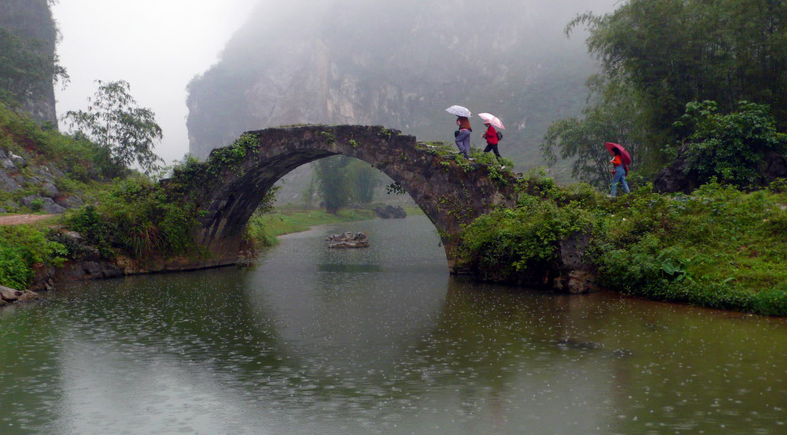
(379, 341)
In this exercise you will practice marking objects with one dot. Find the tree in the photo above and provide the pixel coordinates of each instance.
(669, 53)
(114, 122)
(364, 179)
(617, 115)
(334, 182)
(677, 51)
(342, 179)
(731, 147)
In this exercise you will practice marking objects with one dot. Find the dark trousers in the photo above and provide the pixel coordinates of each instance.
(493, 148)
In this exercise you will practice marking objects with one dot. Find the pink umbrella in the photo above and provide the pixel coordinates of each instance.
(625, 158)
(492, 119)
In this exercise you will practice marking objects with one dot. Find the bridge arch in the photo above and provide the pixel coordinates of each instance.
(450, 192)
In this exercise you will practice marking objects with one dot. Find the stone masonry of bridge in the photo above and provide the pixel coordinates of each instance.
(451, 191)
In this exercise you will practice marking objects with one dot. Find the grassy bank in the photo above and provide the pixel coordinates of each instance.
(263, 229)
(717, 248)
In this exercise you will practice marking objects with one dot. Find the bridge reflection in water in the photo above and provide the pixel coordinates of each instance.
(379, 341)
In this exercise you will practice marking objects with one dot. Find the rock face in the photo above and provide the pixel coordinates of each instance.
(32, 19)
(39, 179)
(398, 64)
(573, 274)
(390, 212)
(348, 241)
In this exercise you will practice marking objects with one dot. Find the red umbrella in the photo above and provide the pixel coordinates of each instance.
(625, 158)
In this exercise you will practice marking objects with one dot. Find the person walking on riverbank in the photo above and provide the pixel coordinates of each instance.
(619, 173)
(462, 135)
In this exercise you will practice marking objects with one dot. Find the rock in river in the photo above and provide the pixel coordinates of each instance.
(348, 240)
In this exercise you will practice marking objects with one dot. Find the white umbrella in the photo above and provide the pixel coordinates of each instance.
(459, 111)
(492, 119)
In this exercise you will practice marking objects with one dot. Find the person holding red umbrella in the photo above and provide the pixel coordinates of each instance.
(620, 160)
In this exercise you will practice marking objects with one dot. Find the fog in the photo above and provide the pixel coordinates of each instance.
(159, 46)
(155, 45)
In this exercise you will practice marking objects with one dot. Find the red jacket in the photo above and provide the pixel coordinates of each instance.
(491, 136)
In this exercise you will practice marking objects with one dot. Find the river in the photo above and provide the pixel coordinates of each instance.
(379, 341)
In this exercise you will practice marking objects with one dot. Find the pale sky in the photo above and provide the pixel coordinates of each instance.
(157, 46)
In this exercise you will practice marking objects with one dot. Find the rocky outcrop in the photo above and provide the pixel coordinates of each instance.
(18, 176)
(390, 212)
(674, 178)
(573, 274)
(348, 241)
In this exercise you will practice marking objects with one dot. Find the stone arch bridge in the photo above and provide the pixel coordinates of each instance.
(231, 184)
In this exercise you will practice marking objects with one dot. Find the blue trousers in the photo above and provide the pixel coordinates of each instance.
(620, 177)
(463, 142)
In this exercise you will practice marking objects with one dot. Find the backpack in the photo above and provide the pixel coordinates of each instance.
(499, 136)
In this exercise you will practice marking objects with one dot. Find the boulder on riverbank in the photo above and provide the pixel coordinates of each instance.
(9, 296)
(348, 240)
(390, 212)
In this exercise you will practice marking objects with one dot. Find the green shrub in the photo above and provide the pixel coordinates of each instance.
(36, 204)
(509, 241)
(21, 249)
(14, 272)
(137, 218)
(80, 159)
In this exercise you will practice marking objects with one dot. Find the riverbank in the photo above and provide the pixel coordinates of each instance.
(716, 248)
(37, 252)
(265, 229)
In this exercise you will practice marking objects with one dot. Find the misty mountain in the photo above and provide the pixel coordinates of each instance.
(32, 20)
(397, 64)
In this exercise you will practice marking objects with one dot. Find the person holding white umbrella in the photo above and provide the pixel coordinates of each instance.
(491, 135)
(462, 135)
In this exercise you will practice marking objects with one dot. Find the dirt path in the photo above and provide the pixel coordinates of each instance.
(20, 219)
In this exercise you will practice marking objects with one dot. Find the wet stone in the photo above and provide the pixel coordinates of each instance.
(9, 294)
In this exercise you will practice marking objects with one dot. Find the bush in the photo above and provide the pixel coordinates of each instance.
(137, 218)
(21, 249)
(507, 242)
